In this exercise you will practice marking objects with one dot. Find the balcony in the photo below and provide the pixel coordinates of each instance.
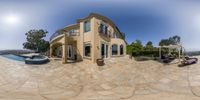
(69, 33)
(55, 35)
(72, 33)
(104, 32)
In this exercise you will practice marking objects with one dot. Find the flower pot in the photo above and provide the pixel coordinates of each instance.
(100, 62)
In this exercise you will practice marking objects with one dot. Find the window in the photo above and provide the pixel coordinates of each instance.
(104, 50)
(121, 49)
(87, 50)
(114, 49)
(72, 32)
(87, 26)
(103, 29)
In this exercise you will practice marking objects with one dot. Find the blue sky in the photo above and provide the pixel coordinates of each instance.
(146, 20)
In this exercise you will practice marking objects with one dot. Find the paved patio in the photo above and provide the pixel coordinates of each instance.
(120, 78)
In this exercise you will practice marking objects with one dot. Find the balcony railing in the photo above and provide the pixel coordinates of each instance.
(73, 34)
(55, 35)
(106, 33)
(68, 34)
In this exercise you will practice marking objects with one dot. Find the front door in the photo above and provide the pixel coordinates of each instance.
(104, 50)
(70, 51)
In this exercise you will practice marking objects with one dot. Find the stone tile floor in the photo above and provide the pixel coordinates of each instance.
(120, 78)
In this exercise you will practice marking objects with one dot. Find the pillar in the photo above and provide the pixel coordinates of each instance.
(64, 50)
(169, 51)
(94, 50)
(179, 51)
(160, 52)
(51, 51)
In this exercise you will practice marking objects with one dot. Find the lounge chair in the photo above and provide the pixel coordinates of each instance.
(188, 61)
(188, 58)
(168, 59)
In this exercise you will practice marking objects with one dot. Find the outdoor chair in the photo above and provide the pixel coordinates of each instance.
(188, 61)
(168, 58)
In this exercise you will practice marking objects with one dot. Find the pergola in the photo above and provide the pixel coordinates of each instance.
(178, 47)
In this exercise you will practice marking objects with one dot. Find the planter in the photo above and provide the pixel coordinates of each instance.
(100, 62)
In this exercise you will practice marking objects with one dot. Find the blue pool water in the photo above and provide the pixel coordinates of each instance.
(14, 57)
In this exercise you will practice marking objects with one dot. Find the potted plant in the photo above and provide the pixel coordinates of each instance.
(100, 62)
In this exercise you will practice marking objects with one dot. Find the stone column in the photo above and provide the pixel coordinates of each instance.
(124, 47)
(118, 49)
(64, 50)
(51, 51)
(94, 51)
(160, 50)
(179, 54)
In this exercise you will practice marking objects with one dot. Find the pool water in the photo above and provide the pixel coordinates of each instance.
(38, 57)
(14, 57)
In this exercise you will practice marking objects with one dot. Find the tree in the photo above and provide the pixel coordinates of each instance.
(175, 40)
(149, 46)
(35, 40)
(171, 41)
(129, 49)
(164, 42)
(137, 47)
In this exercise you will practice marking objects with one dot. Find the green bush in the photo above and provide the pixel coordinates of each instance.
(146, 53)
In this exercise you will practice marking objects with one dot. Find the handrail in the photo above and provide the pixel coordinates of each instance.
(55, 35)
(102, 33)
(68, 34)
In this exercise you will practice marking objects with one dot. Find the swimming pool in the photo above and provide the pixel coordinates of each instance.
(14, 57)
(35, 59)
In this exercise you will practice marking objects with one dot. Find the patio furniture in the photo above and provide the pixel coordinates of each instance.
(188, 61)
(168, 59)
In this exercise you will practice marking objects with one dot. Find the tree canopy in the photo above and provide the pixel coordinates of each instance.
(137, 45)
(170, 41)
(149, 46)
(35, 40)
(137, 49)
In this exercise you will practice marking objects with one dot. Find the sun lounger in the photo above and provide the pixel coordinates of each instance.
(168, 59)
(188, 61)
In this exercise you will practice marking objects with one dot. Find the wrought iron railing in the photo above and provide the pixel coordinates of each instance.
(67, 32)
(73, 34)
(55, 35)
(106, 33)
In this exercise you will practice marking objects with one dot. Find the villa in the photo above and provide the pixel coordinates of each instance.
(91, 38)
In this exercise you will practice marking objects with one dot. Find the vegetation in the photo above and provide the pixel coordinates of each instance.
(171, 41)
(149, 46)
(35, 40)
(137, 49)
(129, 49)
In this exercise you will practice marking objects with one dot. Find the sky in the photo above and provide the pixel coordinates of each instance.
(146, 20)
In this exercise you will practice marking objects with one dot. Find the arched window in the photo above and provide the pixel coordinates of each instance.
(114, 49)
(121, 49)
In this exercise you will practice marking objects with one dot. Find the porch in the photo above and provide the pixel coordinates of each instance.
(64, 49)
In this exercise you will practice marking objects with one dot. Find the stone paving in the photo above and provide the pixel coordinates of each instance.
(120, 78)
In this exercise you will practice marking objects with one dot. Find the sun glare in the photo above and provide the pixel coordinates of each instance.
(11, 19)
